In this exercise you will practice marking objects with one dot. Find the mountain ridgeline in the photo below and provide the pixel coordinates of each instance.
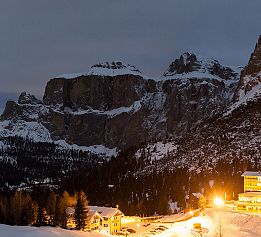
(194, 129)
(116, 106)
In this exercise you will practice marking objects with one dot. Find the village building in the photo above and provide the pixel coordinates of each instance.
(106, 219)
(250, 200)
(111, 218)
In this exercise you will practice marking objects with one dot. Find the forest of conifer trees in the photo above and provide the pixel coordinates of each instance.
(43, 172)
(42, 207)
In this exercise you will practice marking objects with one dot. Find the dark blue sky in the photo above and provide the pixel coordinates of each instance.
(40, 39)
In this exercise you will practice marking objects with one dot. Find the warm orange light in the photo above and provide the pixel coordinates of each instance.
(219, 201)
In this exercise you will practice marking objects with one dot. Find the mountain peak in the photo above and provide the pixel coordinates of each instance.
(113, 69)
(186, 63)
(192, 65)
(249, 86)
(115, 65)
(254, 65)
(26, 98)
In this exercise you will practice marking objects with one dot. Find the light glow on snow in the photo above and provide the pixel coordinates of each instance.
(219, 202)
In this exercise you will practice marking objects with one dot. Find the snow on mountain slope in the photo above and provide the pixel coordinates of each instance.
(110, 113)
(95, 149)
(245, 96)
(116, 68)
(187, 66)
(32, 130)
(249, 86)
(38, 133)
(233, 138)
(114, 107)
(190, 65)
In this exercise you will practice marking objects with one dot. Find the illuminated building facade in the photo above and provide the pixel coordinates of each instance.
(250, 200)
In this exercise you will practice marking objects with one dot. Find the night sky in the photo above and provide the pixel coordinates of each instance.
(40, 39)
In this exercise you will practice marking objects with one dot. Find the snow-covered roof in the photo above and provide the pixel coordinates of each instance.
(197, 195)
(105, 211)
(70, 210)
(251, 173)
(250, 194)
(92, 214)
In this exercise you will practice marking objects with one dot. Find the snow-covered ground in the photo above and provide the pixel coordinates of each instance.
(27, 231)
(231, 223)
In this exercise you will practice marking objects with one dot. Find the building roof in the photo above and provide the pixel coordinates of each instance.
(250, 194)
(197, 195)
(69, 211)
(105, 211)
(92, 214)
(251, 173)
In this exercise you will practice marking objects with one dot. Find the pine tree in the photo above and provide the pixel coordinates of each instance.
(60, 212)
(50, 207)
(81, 211)
(42, 218)
(29, 214)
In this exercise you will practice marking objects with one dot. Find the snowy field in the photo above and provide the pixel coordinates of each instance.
(27, 231)
(230, 223)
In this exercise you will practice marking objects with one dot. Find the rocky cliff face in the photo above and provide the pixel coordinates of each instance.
(231, 138)
(115, 106)
(250, 79)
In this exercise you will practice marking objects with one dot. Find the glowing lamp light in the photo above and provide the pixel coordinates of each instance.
(219, 201)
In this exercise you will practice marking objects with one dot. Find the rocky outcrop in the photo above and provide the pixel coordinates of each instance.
(96, 92)
(116, 106)
(254, 65)
(230, 139)
(250, 78)
(189, 62)
(26, 98)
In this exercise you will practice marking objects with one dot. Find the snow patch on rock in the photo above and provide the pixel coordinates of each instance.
(38, 133)
(244, 96)
(115, 68)
(32, 130)
(96, 149)
(110, 113)
(190, 66)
